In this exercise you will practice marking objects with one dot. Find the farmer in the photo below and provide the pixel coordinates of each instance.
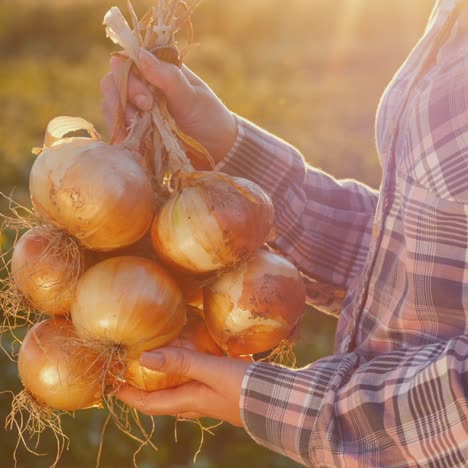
(395, 393)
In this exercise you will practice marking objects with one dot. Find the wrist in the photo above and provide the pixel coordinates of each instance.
(227, 142)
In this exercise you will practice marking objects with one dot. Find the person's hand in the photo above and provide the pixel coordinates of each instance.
(196, 109)
(214, 391)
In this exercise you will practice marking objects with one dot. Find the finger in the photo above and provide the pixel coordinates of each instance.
(184, 399)
(221, 373)
(110, 107)
(138, 92)
(165, 76)
(192, 400)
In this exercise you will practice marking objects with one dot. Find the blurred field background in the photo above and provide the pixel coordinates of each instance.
(311, 71)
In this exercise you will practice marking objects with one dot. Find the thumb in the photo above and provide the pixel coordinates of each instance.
(219, 373)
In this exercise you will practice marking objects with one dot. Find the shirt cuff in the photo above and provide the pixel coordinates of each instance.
(265, 422)
(237, 149)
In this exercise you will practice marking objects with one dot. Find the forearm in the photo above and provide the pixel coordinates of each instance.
(322, 224)
(405, 408)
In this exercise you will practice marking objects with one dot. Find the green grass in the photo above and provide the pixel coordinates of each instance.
(276, 62)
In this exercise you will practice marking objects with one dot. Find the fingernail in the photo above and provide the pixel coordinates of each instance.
(152, 360)
(144, 102)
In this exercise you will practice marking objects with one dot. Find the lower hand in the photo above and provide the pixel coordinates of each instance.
(214, 391)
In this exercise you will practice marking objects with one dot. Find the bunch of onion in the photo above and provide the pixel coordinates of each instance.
(212, 220)
(58, 375)
(256, 306)
(124, 306)
(194, 336)
(98, 193)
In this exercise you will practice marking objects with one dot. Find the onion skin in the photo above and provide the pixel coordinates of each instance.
(253, 308)
(46, 273)
(194, 336)
(96, 192)
(191, 287)
(212, 221)
(57, 371)
(150, 380)
(128, 301)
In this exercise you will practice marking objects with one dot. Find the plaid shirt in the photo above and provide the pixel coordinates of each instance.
(395, 394)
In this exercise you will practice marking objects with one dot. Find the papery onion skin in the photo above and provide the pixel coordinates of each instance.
(194, 336)
(150, 380)
(56, 370)
(196, 332)
(253, 308)
(213, 221)
(96, 192)
(45, 271)
(128, 301)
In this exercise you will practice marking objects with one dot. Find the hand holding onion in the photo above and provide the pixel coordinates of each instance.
(214, 393)
(196, 109)
(194, 336)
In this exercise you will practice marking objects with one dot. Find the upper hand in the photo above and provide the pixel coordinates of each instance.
(196, 109)
(214, 391)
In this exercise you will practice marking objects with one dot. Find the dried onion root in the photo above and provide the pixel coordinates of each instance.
(31, 418)
(203, 429)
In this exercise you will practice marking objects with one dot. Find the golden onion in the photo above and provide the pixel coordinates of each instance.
(56, 370)
(254, 307)
(194, 336)
(45, 267)
(129, 302)
(213, 220)
(98, 193)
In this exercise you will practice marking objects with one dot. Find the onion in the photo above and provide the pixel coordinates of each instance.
(128, 302)
(45, 267)
(96, 192)
(142, 248)
(55, 369)
(194, 336)
(191, 287)
(212, 221)
(253, 308)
